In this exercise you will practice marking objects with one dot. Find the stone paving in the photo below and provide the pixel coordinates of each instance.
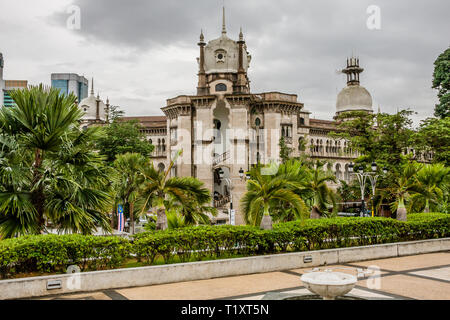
(423, 277)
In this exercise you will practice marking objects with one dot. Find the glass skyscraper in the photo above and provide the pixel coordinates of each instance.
(70, 82)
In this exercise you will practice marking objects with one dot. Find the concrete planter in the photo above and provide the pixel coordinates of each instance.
(146, 276)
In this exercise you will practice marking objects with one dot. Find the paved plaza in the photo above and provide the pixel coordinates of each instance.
(423, 277)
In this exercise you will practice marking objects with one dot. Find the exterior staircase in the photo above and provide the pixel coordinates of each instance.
(221, 159)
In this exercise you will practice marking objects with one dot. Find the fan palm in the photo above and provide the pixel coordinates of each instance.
(321, 195)
(76, 184)
(158, 189)
(267, 192)
(49, 170)
(40, 118)
(431, 181)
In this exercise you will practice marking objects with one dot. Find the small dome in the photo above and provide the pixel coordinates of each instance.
(354, 98)
(89, 107)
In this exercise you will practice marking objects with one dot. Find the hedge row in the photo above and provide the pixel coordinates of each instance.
(52, 253)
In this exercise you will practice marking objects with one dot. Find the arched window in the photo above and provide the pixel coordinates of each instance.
(302, 121)
(161, 167)
(258, 122)
(150, 141)
(221, 87)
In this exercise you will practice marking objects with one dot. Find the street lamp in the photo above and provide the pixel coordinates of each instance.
(221, 174)
(241, 173)
(362, 178)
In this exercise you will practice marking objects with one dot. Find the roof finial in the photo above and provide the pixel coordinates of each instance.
(202, 37)
(241, 35)
(224, 28)
(92, 87)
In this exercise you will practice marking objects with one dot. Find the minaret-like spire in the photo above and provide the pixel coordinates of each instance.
(202, 87)
(224, 27)
(92, 87)
(352, 71)
(241, 35)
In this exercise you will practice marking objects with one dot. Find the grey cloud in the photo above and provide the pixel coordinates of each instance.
(297, 45)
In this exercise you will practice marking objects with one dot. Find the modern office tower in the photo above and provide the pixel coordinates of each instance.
(7, 85)
(71, 82)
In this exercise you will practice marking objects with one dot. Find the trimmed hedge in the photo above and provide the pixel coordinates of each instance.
(52, 253)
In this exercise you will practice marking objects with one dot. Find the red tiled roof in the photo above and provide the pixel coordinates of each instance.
(148, 121)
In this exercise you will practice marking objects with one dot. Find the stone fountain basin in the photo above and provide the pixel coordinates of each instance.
(329, 284)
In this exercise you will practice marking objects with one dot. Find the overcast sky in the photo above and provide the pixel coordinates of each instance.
(142, 52)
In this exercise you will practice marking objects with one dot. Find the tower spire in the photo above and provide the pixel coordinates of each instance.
(224, 28)
(92, 87)
(352, 71)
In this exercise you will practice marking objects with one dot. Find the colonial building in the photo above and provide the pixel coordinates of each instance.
(95, 110)
(226, 128)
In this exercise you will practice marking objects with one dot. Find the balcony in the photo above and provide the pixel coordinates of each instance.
(222, 202)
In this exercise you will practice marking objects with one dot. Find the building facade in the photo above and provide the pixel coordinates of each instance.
(71, 83)
(226, 128)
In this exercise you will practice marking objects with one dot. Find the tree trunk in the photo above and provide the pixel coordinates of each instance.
(401, 211)
(427, 207)
(37, 196)
(315, 214)
(266, 221)
(161, 221)
(132, 217)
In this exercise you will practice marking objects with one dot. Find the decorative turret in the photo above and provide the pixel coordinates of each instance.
(223, 64)
(224, 27)
(352, 71)
(202, 88)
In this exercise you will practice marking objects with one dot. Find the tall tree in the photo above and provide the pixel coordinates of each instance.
(48, 169)
(382, 137)
(441, 82)
(434, 136)
(40, 119)
(123, 137)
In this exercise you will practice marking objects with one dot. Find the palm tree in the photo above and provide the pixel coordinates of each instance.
(76, 184)
(129, 168)
(40, 118)
(321, 194)
(402, 186)
(48, 169)
(158, 190)
(431, 180)
(17, 213)
(265, 193)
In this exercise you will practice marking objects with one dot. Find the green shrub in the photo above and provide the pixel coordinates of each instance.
(52, 253)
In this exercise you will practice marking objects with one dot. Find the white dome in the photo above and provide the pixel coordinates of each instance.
(89, 107)
(354, 98)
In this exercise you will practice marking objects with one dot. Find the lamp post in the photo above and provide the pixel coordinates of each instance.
(362, 178)
(229, 182)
